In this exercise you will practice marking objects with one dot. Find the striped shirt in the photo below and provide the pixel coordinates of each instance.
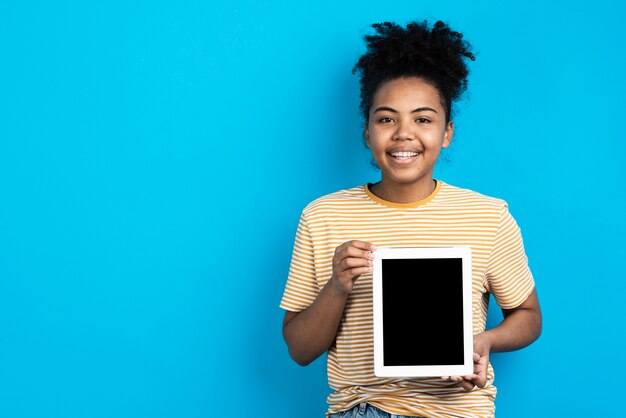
(450, 216)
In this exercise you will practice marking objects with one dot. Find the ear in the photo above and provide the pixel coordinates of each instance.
(447, 136)
(367, 135)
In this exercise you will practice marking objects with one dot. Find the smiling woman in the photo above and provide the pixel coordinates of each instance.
(406, 140)
(409, 79)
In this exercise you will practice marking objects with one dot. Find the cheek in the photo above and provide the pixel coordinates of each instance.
(376, 137)
(377, 152)
(370, 139)
(435, 139)
(374, 150)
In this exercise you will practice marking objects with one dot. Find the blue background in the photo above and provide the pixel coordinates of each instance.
(155, 157)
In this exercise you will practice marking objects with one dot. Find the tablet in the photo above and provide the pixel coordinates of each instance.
(423, 312)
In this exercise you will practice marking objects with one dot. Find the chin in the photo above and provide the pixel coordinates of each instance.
(412, 181)
(406, 180)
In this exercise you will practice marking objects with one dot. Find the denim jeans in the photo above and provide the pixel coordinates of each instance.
(365, 410)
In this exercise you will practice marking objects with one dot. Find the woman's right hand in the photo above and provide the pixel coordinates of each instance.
(351, 260)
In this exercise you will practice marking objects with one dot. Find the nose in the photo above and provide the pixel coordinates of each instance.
(403, 131)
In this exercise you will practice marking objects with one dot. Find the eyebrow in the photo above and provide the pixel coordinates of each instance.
(392, 110)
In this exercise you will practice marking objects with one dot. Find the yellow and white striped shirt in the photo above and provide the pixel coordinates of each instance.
(449, 216)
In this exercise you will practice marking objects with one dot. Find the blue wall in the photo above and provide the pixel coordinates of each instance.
(155, 157)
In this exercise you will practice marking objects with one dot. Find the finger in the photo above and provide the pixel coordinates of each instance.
(363, 245)
(467, 385)
(352, 272)
(445, 377)
(352, 262)
(355, 273)
(353, 252)
(480, 370)
(480, 381)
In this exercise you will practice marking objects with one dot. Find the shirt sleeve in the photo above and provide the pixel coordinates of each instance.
(302, 287)
(508, 274)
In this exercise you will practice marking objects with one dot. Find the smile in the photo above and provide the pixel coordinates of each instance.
(404, 156)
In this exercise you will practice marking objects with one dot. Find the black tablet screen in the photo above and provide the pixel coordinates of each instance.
(422, 311)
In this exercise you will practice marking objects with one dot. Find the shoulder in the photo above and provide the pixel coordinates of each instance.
(467, 200)
(458, 196)
(343, 199)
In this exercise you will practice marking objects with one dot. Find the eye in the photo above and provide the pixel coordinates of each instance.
(385, 119)
(422, 120)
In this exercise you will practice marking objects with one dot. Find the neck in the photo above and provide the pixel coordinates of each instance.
(404, 193)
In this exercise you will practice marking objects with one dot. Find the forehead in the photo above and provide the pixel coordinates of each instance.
(407, 92)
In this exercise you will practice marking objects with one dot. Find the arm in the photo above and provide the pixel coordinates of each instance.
(507, 272)
(311, 332)
(520, 327)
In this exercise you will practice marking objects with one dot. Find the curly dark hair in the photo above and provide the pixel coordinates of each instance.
(435, 54)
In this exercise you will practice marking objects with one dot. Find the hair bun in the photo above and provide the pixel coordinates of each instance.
(436, 54)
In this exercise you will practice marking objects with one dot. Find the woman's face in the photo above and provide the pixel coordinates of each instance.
(406, 130)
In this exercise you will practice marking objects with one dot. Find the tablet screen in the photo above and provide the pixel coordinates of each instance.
(422, 311)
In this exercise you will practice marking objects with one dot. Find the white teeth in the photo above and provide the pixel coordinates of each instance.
(404, 155)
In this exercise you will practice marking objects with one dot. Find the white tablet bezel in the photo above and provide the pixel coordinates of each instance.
(380, 370)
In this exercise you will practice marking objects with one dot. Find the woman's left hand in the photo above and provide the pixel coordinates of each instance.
(482, 348)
